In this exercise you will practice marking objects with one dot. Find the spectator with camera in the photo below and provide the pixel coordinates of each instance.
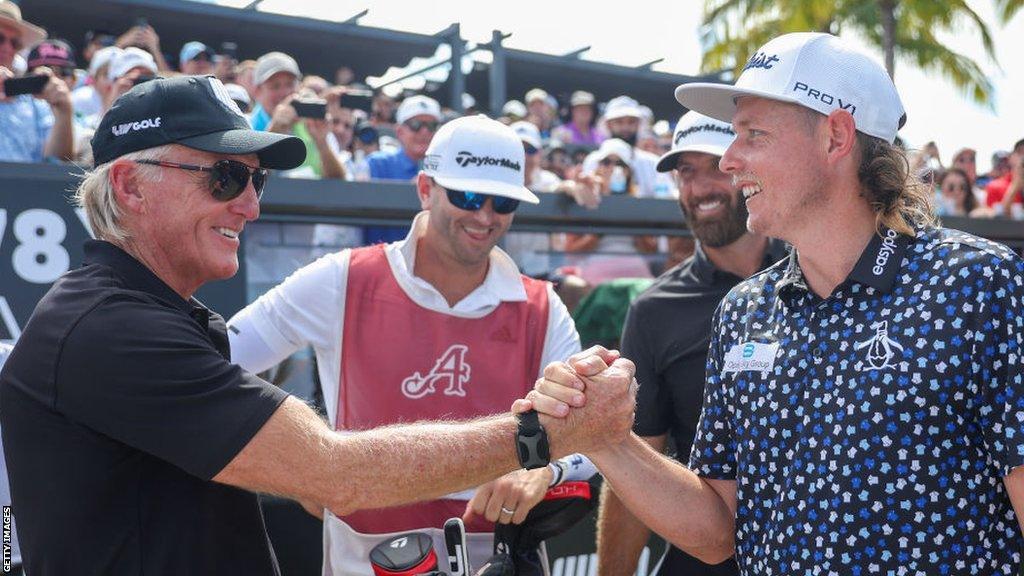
(144, 37)
(35, 117)
(276, 78)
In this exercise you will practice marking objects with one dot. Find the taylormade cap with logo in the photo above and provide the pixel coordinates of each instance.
(477, 154)
(696, 133)
(818, 71)
(194, 111)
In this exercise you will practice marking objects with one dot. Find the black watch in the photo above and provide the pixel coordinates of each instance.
(532, 442)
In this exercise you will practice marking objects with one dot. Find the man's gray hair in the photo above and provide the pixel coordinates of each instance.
(95, 194)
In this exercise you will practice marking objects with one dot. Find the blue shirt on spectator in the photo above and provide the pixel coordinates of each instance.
(392, 165)
(25, 124)
(259, 119)
(389, 165)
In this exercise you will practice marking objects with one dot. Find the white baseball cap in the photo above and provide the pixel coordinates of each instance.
(696, 133)
(617, 147)
(527, 132)
(101, 58)
(416, 105)
(621, 107)
(129, 58)
(271, 63)
(477, 154)
(514, 108)
(815, 70)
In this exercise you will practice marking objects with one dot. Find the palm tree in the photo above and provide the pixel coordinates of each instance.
(734, 29)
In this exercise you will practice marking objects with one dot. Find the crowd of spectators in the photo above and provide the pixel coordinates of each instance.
(579, 146)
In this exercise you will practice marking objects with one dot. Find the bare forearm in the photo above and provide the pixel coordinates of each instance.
(670, 499)
(296, 455)
(60, 143)
(620, 536)
(400, 464)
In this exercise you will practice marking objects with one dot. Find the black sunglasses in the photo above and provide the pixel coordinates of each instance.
(228, 178)
(473, 201)
(416, 125)
(609, 162)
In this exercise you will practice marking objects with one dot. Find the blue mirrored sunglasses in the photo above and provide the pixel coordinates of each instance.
(474, 201)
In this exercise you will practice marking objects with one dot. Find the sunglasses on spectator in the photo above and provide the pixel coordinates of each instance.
(954, 187)
(610, 162)
(530, 149)
(15, 41)
(228, 178)
(473, 201)
(417, 125)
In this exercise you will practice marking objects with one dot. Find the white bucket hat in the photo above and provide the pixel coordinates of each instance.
(696, 133)
(818, 71)
(477, 154)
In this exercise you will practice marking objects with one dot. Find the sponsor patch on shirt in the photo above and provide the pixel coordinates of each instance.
(750, 357)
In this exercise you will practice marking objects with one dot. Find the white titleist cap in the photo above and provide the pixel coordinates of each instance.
(811, 69)
(477, 154)
(697, 133)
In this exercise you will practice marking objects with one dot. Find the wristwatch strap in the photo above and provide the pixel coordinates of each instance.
(532, 441)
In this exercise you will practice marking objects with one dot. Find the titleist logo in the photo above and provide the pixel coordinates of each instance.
(761, 60)
(465, 158)
(887, 249)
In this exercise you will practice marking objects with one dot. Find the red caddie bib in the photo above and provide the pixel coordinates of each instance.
(401, 362)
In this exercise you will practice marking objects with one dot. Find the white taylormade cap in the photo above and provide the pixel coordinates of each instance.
(477, 154)
(696, 133)
(815, 70)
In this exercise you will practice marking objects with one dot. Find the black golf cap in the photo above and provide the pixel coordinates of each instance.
(194, 111)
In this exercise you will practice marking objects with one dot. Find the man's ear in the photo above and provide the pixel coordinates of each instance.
(127, 195)
(842, 135)
(423, 190)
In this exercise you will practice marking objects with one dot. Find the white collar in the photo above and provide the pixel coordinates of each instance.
(502, 283)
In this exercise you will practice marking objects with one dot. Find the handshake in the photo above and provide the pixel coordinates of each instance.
(586, 404)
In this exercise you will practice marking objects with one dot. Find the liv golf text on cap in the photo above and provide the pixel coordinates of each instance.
(477, 154)
(815, 70)
(696, 133)
(194, 111)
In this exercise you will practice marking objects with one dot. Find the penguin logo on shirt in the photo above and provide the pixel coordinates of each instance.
(881, 350)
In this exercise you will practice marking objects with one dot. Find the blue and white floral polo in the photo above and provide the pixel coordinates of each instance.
(869, 432)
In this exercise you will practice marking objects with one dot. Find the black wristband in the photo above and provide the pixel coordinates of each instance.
(532, 442)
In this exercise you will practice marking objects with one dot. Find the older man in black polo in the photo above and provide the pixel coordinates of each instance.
(134, 445)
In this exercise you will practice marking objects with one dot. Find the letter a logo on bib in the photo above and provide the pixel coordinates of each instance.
(450, 369)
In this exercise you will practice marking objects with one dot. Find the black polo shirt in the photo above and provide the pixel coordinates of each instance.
(666, 335)
(869, 431)
(118, 406)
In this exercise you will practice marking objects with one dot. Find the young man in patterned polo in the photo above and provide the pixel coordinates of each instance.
(864, 405)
